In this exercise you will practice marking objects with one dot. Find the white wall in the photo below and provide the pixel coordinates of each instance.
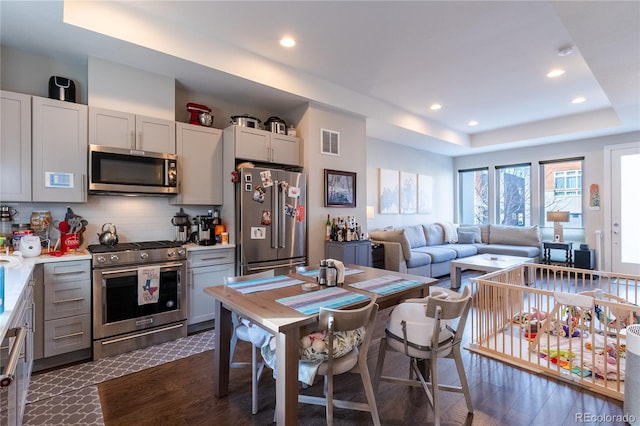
(386, 155)
(123, 88)
(23, 72)
(352, 159)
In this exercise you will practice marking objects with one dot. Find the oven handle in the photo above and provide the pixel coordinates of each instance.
(146, 333)
(121, 271)
(9, 373)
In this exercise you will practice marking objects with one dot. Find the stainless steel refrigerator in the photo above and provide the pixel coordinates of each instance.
(271, 220)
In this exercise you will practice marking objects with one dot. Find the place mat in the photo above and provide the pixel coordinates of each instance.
(316, 272)
(263, 284)
(333, 297)
(386, 285)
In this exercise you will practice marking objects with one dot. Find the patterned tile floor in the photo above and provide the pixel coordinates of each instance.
(69, 396)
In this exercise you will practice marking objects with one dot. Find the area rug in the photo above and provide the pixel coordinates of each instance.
(69, 396)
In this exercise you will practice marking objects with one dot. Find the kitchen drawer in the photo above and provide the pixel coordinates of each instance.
(67, 335)
(67, 271)
(210, 257)
(66, 299)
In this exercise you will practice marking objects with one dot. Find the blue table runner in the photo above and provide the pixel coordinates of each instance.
(386, 285)
(333, 297)
(263, 284)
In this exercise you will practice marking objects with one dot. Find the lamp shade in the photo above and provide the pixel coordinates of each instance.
(557, 216)
(370, 212)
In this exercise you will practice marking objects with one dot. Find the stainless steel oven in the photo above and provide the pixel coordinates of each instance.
(128, 313)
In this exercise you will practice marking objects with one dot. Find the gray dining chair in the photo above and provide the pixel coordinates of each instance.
(423, 330)
(336, 320)
(241, 332)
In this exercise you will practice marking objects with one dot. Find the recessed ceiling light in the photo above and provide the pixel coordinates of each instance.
(555, 73)
(578, 100)
(287, 42)
(435, 107)
(473, 123)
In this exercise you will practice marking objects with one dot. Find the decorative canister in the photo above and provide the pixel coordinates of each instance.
(19, 230)
(40, 221)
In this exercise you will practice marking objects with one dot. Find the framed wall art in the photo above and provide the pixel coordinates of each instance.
(389, 186)
(339, 188)
(425, 194)
(408, 193)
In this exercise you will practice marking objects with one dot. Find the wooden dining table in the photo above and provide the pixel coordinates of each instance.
(266, 309)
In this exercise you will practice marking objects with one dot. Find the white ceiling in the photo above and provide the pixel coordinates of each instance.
(387, 61)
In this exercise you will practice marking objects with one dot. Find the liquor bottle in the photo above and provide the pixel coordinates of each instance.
(328, 228)
(334, 230)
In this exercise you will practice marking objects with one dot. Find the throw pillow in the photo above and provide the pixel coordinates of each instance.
(466, 237)
(475, 230)
(450, 234)
(415, 236)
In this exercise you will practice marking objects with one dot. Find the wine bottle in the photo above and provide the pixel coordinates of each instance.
(328, 228)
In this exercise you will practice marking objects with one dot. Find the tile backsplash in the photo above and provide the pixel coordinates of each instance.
(136, 218)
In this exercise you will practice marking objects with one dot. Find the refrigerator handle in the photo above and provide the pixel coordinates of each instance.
(275, 215)
(281, 227)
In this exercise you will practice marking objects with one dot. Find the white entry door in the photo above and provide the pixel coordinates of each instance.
(625, 208)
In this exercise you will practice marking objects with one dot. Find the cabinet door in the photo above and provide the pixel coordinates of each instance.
(199, 152)
(15, 147)
(155, 135)
(112, 128)
(201, 306)
(252, 144)
(285, 149)
(59, 151)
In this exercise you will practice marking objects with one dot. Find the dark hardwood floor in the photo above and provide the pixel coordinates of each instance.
(180, 393)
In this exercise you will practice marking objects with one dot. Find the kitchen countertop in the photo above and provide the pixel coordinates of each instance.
(16, 279)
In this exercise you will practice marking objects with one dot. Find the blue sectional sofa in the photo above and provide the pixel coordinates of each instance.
(428, 249)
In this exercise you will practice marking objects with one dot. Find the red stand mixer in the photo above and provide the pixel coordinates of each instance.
(200, 114)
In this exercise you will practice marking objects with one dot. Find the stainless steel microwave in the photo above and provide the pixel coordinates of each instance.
(130, 171)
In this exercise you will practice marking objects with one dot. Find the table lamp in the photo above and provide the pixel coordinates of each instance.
(556, 217)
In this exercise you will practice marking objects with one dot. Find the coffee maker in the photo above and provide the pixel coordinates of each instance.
(182, 225)
(205, 232)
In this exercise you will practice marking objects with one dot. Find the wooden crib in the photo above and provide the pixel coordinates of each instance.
(564, 322)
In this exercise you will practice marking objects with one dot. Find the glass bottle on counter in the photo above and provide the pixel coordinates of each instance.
(328, 228)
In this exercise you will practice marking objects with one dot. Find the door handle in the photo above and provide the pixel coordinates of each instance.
(275, 214)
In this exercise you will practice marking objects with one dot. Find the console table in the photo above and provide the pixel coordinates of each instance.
(547, 246)
(356, 252)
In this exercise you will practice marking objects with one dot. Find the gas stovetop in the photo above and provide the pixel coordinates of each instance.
(144, 245)
(140, 253)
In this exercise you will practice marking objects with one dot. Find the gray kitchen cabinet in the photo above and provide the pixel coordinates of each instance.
(199, 152)
(18, 342)
(349, 252)
(15, 146)
(264, 146)
(59, 151)
(66, 307)
(204, 269)
(130, 131)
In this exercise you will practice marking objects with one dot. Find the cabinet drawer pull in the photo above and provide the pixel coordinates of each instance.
(69, 272)
(213, 258)
(75, 299)
(9, 373)
(80, 333)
